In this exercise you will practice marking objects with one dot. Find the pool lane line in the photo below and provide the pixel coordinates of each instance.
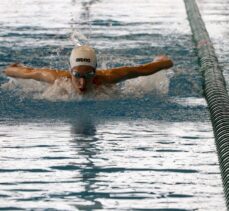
(214, 90)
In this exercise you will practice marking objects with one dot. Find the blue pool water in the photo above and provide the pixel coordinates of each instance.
(146, 144)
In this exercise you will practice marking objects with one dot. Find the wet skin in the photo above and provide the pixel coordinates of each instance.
(81, 84)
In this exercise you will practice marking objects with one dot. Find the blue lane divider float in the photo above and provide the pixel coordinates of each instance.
(214, 90)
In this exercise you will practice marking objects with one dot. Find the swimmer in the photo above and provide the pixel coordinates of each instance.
(83, 74)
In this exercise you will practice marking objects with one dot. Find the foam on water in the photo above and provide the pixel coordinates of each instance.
(157, 84)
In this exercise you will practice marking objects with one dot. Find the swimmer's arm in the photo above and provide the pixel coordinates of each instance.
(124, 73)
(39, 74)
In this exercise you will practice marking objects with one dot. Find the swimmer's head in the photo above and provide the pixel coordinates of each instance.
(83, 55)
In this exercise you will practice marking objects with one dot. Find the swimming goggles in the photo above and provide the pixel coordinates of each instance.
(86, 75)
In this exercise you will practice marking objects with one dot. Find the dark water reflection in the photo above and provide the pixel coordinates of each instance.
(83, 132)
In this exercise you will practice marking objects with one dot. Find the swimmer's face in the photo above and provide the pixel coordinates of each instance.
(81, 77)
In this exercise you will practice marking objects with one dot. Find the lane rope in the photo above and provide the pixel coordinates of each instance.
(214, 90)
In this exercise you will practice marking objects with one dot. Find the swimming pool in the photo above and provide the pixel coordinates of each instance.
(147, 148)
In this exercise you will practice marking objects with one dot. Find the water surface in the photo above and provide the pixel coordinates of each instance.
(150, 149)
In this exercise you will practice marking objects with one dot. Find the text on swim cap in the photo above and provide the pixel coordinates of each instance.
(83, 60)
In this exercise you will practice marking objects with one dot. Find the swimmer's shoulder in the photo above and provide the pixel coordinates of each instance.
(51, 75)
(113, 75)
(61, 74)
(54, 74)
(101, 77)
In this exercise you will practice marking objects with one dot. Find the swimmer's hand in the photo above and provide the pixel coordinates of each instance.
(11, 69)
(161, 58)
(163, 61)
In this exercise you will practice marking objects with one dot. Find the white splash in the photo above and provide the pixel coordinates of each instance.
(60, 90)
(157, 83)
(78, 38)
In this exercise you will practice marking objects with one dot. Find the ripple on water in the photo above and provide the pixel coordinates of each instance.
(112, 168)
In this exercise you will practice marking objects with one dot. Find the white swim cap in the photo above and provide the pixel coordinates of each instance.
(83, 55)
